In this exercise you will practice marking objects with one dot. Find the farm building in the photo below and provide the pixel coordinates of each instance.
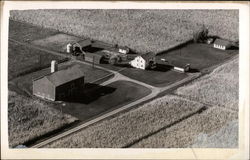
(143, 61)
(222, 44)
(78, 46)
(180, 66)
(102, 45)
(59, 84)
(93, 57)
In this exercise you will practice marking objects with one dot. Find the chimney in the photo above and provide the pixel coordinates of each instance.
(54, 66)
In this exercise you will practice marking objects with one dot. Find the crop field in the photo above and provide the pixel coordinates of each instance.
(199, 56)
(24, 60)
(102, 99)
(25, 82)
(221, 87)
(29, 118)
(185, 133)
(131, 126)
(141, 30)
(56, 42)
(25, 33)
(154, 78)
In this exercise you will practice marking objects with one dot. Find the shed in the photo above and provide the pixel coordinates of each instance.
(78, 46)
(102, 45)
(179, 66)
(93, 57)
(222, 44)
(60, 84)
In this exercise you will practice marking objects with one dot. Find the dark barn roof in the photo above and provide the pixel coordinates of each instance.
(64, 76)
(100, 44)
(148, 56)
(222, 42)
(84, 42)
(177, 63)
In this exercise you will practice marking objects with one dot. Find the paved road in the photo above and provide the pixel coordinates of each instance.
(117, 76)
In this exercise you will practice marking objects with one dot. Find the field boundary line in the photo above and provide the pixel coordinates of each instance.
(204, 103)
(165, 127)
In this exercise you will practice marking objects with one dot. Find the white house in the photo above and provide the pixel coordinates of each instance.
(123, 50)
(143, 61)
(222, 44)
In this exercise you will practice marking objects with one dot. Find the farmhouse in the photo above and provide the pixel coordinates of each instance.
(143, 61)
(59, 84)
(222, 44)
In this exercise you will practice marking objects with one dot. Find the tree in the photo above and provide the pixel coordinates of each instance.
(201, 35)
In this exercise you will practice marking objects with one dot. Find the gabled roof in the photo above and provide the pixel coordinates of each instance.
(100, 44)
(148, 56)
(177, 63)
(63, 76)
(222, 42)
(84, 42)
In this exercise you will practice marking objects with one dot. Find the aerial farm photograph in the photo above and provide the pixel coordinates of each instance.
(123, 78)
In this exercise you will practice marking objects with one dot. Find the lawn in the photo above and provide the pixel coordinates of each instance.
(29, 118)
(153, 77)
(56, 42)
(199, 56)
(187, 132)
(100, 99)
(141, 30)
(131, 126)
(23, 60)
(221, 87)
(25, 32)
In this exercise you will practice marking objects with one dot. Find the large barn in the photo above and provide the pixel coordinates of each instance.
(60, 84)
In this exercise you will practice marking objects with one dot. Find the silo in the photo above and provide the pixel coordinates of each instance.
(69, 48)
(54, 66)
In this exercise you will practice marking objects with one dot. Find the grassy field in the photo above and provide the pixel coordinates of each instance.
(102, 99)
(29, 118)
(185, 133)
(199, 56)
(141, 30)
(56, 42)
(24, 60)
(152, 77)
(131, 126)
(226, 137)
(221, 87)
(26, 33)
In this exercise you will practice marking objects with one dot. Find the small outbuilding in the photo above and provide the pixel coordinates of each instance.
(93, 57)
(180, 66)
(59, 84)
(78, 46)
(143, 61)
(222, 44)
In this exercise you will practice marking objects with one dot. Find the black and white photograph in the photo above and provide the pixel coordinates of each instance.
(130, 78)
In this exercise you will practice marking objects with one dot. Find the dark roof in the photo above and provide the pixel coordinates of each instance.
(100, 44)
(84, 42)
(63, 76)
(222, 42)
(176, 63)
(97, 54)
(148, 56)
